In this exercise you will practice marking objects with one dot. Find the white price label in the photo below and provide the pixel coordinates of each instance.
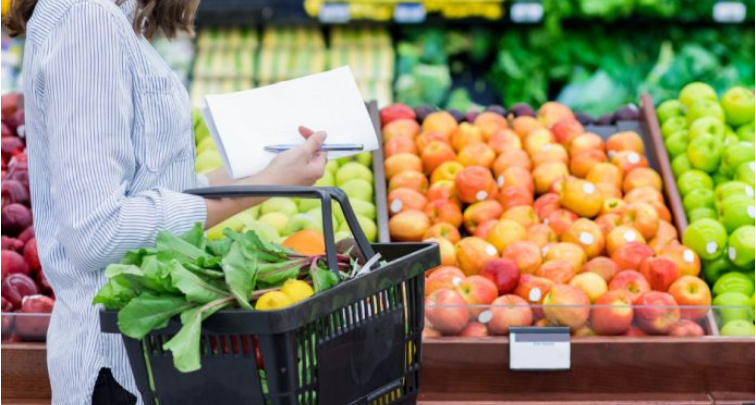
(409, 13)
(729, 12)
(334, 13)
(539, 348)
(526, 12)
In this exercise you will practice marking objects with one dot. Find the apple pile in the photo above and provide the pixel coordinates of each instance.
(711, 145)
(24, 286)
(539, 223)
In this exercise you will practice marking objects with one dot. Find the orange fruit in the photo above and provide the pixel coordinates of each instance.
(306, 242)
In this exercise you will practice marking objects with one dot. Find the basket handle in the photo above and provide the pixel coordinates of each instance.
(324, 194)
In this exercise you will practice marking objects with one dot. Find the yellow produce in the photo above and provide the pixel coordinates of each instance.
(297, 290)
(273, 300)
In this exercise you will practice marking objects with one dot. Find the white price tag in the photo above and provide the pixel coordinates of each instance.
(409, 13)
(729, 12)
(539, 348)
(334, 13)
(526, 12)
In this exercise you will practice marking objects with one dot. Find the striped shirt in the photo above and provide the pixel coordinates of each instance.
(110, 149)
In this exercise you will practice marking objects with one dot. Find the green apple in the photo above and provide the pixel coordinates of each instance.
(344, 160)
(254, 212)
(279, 204)
(206, 144)
(701, 213)
(341, 235)
(730, 138)
(733, 188)
(364, 158)
(707, 126)
(705, 153)
(670, 109)
(201, 132)
(738, 327)
(707, 237)
(235, 223)
(736, 211)
(696, 91)
(306, 204)
(317, 216)
(714, 269)
(742, 247)
(746, 132)
(735, 154)
(364, 208)
(300, 222)
(733, 282)
(332, 166)
(277, 220)
(730, 306)
(353, 170)
(694, 179)
(328, 180)
(672, 125)
(699, 198)
(677, 143)
(208, 161)
(720, 177)
(338, 213)
(358, 189)
(738, 104)
(680, 165)
(368, 228)
(264, 231)
(745, 173)
(705, 108)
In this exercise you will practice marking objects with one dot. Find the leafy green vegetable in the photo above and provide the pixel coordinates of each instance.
(149, 311)
(194, 278)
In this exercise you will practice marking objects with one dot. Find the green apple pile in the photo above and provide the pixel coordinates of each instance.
(710, 142)
(278, 218)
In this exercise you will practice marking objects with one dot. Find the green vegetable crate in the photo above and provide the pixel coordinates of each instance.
(356, 343)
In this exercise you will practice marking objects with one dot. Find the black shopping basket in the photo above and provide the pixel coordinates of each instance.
(357, 343)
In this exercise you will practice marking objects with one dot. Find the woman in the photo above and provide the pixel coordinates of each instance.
(110, 149)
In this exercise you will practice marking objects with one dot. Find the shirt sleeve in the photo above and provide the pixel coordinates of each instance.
(89, 114)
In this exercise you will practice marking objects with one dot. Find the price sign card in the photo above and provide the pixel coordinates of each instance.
(539, 348)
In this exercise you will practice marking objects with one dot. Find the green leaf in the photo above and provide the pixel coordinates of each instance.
(196, 236)
(322, 279)
(185, 345)
(241, 274)
(149, 311)
(169, 243)
(274, 274)
(219, 247)
(159, 272)
(135, 256)
(196, 288)
(115, 294)
(135, 275)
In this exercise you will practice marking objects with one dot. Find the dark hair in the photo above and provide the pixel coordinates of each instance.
(151, 16)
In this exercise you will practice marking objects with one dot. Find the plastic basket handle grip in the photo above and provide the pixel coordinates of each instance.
(324, 194)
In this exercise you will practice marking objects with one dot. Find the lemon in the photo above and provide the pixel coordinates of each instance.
(273, 300)
(297, 290)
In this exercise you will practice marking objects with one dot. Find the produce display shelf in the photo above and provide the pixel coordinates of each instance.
(603, 370)
(380, 196)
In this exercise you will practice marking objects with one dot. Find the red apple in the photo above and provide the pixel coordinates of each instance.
(613, 313)
(477, 291)
(656, 312)
(503, 273)
(474, 329)
(660, 272)
(447, 312)
(692, 293)
(444, 277)
(687, 328)
(509, 310)
(632, 282)
(566, 305)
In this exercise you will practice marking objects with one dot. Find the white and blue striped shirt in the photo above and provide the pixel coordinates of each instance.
(110, 148)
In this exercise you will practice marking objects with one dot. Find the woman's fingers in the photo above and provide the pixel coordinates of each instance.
(313, 143)
(305, 132)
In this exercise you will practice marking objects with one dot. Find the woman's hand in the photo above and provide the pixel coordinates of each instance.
(301, 166)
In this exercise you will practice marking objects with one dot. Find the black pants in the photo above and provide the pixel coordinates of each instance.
(107, 391)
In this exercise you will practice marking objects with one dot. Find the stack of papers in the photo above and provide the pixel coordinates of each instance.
(242, 124)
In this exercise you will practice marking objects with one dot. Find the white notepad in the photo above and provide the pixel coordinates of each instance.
(243, 123)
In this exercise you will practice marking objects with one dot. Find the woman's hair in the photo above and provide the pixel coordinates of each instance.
(151, 16)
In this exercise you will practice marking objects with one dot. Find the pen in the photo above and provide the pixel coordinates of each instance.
(329, 147)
